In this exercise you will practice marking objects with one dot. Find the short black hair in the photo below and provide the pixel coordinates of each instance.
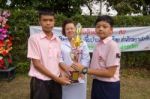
(106, 18)
(45, 11)
(65, 22)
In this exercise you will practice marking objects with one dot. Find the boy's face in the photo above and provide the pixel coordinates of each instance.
(47, 22)
(103, 29)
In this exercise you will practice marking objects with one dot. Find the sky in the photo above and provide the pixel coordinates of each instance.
(96, 8)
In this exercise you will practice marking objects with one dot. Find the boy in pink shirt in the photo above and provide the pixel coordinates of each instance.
(44, 52)
(105, 63)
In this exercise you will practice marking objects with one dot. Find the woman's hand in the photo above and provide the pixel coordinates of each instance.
(77, 67)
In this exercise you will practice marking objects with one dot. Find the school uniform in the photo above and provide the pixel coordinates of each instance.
(105, 55)
(48, 52)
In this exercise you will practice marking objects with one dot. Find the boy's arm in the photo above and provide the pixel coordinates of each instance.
(37, 64)
(63, 66)
(108, 72)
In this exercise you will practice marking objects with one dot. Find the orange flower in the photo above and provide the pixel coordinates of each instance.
(1, 43)
(9, 43)
(5, 52)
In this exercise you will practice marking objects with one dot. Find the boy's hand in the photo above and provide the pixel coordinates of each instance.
(63, 81)
(69, 69)
(65, 74)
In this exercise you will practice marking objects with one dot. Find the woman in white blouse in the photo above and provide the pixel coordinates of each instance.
(74, 90)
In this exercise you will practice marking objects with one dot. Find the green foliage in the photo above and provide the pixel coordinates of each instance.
(86, 21)
(21, 20)
(89, 21)
(72, 7)
(67, 7)
(136, 59)
(131, 21)
(78, 18)
(124, 7)
(59, 19)
(22, 67)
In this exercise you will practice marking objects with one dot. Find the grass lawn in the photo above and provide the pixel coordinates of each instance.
(135, 84)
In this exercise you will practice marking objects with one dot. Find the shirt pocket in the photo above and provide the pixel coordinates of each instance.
(54, 52)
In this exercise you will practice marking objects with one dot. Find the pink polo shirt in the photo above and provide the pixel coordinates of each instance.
(47, 51)
(106, 54)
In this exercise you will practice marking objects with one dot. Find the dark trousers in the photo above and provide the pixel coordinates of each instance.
(40, 89)
(105, 90)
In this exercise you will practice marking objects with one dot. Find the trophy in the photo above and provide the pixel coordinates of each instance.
(75, 52)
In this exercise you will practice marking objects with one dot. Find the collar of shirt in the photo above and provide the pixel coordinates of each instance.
(43, 35)
(67, 43)
(106, 40)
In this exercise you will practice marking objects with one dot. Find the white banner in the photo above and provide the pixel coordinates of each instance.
(128, 38)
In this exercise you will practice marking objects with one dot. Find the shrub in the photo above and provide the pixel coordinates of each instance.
(22, 19)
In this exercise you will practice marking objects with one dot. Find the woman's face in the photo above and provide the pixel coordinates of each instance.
(70, 30)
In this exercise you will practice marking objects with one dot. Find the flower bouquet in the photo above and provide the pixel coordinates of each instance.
(5, 40)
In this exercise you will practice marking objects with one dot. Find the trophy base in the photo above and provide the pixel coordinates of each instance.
(74, 76)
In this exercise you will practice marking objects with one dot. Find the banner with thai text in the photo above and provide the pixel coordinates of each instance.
(128, 38)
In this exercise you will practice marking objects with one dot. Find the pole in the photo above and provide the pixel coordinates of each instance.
(101, 1)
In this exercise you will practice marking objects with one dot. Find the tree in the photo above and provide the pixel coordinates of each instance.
(124, 7)
(3, 3)
(67, 7)
(146, 7)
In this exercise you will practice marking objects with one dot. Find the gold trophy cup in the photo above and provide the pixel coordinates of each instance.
(75, 54)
